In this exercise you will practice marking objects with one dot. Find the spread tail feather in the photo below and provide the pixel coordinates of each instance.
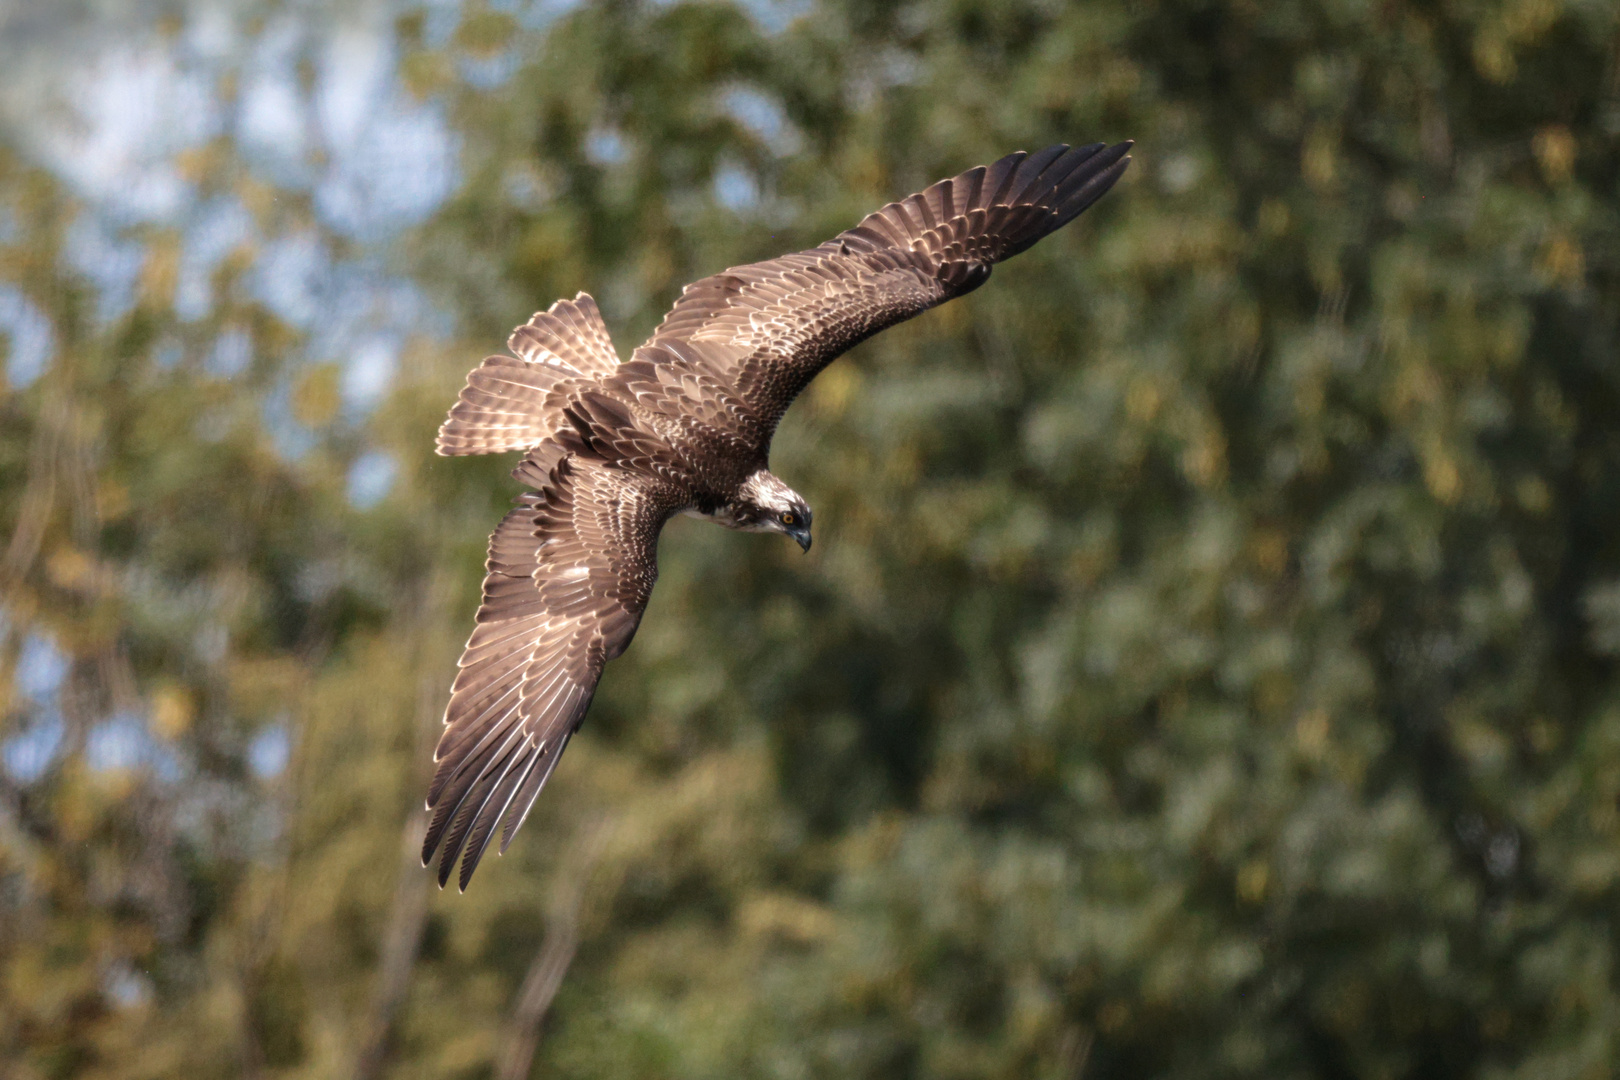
(513, 403)
(570, 333)
(506, 405)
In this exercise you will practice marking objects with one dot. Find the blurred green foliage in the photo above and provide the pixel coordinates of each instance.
(1206, 665)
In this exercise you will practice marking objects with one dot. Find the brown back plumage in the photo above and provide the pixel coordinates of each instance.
(616, 449)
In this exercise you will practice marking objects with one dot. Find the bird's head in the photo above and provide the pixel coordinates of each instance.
(765, 504)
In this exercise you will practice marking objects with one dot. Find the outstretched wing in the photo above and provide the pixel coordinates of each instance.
(768, 328)
(570, 570)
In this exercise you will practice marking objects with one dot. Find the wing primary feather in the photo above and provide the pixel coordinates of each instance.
(1093, 167)
(459, 818)
(974, 181)
(1062, 169)
(455, 797)
(1029, 173)
(1083, 199)
(477, 796)
(457, 761)
(526, 796)
(500, 797)
(450, 754)
(1000, 177)
(1092, 186)
(459, 757)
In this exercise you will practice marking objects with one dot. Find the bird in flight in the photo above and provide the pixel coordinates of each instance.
(614, 450)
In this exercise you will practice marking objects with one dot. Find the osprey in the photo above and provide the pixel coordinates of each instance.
(614, 450)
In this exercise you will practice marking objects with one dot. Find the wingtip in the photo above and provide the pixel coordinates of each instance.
(469, 864)
(1117, 152)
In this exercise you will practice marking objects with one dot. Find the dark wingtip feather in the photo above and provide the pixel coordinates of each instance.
(1080, 191)
(1094, 165)
(1028, 178)
(524, 800)
(999, 177)
(494, 808)
(1054, 175)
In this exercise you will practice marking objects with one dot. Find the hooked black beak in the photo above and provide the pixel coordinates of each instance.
(803, 537)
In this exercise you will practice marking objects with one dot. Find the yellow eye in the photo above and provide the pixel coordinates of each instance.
(789, 518)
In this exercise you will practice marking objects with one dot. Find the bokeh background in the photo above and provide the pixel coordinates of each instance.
(1206, 666)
